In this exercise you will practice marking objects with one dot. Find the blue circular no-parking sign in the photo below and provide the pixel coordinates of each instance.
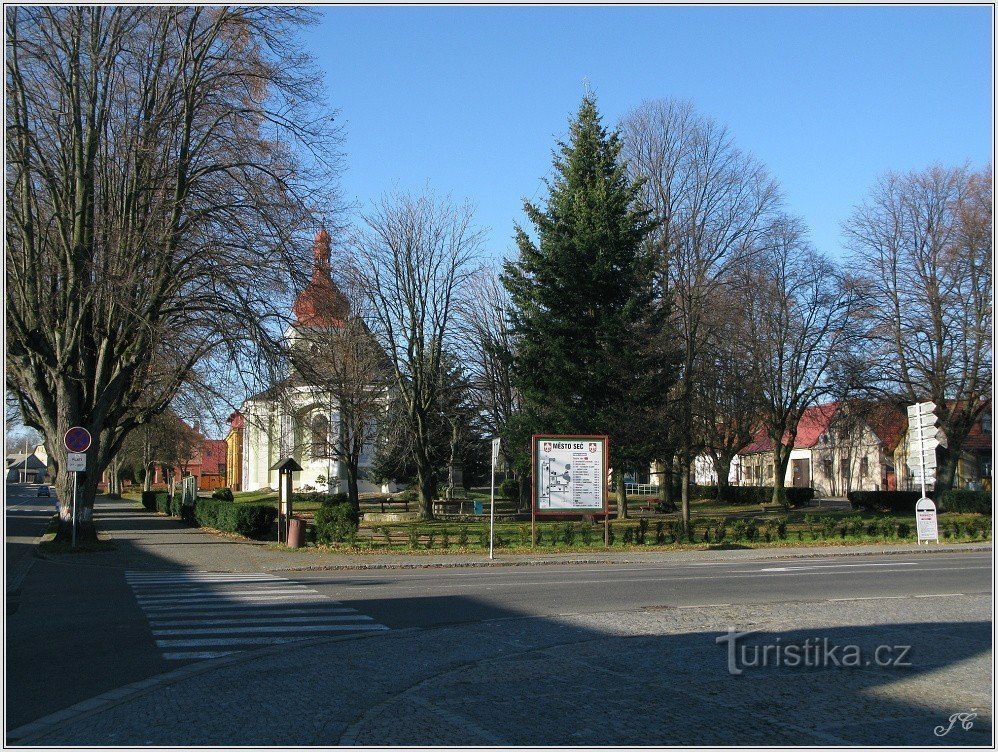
(77, 439)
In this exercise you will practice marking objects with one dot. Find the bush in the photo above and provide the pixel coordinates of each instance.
(251, 520)
(642, 532)
(321, 499)
(223, 494)
(206, 512)
(796, 497)
(568, 533)
(335, 523)
(149, 500)
(980, 502)
(885, 501)
(509, 489)
(162, 502)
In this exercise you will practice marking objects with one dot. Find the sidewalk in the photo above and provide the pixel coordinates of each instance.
(147, 540)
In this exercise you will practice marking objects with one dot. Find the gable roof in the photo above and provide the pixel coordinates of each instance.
(813, 423)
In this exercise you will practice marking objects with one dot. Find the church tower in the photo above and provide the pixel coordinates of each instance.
(321, 305)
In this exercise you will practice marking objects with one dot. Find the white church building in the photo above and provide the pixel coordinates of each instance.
(295, 418)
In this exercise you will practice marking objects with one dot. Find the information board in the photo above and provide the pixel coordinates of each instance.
(925, 521)
(569, 473)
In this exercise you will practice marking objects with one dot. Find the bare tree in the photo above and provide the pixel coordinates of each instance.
(711, 202)
(487, 348)
(924, 240)
(800, 312)
(351, 369)
(160, 162)
(164, 441)
(414, 256)
(728, 401)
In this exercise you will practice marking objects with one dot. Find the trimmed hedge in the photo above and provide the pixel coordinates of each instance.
(224, 494)
(163, 502)
(981, 502)
(336, 523)
(885, 501)
(251, 520)
(796, 497)
(317, 497)
(149, 500)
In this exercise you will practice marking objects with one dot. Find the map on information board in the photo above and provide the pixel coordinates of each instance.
(570, 473)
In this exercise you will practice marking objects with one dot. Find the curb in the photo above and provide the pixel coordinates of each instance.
(819, 552)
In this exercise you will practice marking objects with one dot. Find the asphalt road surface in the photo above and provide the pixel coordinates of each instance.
(428, 598)
(27, 516)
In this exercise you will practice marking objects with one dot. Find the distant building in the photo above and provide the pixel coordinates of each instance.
(840, 447)
(27, 468)
(234, 453)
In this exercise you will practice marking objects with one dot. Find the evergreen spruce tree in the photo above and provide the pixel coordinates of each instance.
(588, 311)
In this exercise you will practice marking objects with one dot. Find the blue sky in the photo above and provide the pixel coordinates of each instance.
(469, 101)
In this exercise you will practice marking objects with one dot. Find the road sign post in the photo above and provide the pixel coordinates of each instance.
(77, 441)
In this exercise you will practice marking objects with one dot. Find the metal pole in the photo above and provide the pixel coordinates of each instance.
(492, 508)
(75, 476)
(921, 453)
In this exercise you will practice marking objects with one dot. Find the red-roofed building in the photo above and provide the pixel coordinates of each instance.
(840, 447)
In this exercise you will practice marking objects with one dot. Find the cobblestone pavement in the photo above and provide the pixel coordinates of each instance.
(653, 677)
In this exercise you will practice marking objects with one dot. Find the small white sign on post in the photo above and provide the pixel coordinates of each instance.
(492, 505)
(925, 521)
(76, 462)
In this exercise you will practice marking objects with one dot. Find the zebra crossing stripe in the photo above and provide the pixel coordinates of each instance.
(200, 616)
(250, 619)
(263, 629)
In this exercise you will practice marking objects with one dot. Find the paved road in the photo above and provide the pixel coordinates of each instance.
(425, 598)
(27, 516)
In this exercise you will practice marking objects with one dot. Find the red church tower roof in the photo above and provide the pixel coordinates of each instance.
(321, 304)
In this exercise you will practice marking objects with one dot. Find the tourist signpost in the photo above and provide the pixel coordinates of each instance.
(569, 477)
(77, 441)
(923, 439)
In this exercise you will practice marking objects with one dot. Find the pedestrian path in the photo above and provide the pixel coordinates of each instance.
(204, 615)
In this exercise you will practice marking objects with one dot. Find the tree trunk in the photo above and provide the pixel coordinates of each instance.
(353, 486)
(781, 459)
(618, 477)
(946, 461)
(427, 490)
(684, 493)
(86, 490)
(722, 466)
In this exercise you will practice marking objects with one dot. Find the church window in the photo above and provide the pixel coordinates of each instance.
(320, 437)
